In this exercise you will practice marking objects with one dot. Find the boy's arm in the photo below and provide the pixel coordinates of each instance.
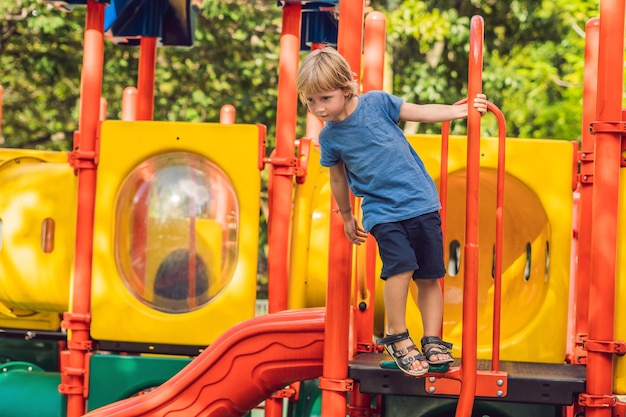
(340, 190)
(341, 193)
(434, 113)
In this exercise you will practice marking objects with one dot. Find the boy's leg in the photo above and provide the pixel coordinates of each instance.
(395, 294)
(430, 302)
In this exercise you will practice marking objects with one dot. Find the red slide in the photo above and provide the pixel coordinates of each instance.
(239, 370)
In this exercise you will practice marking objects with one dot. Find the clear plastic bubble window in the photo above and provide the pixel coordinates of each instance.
(176, 234)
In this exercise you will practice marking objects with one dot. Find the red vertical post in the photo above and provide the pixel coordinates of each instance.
(373, 70)
(313, 123)
(145, 111)
(374, 41)
(605, 202)
(585, 188)
(145, 78)
(1, 94)
(470, 283)
(103, 109)
(228, 114)
(129, 103)
(281, 176)
(74, 374)
(336, 352)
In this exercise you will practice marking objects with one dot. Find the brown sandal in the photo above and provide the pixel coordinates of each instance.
(401, 356)
(432, 345)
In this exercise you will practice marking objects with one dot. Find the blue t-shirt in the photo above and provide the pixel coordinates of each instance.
(381, 165)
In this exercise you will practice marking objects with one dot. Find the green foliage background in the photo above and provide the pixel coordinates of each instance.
(533, 66)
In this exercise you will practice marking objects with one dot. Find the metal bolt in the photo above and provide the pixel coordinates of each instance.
(431, 389)
(431, 379)
(500, 382)
(499, 393)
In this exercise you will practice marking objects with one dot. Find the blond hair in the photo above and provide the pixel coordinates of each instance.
(325, 70)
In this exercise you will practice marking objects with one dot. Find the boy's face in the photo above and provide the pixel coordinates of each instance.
(330, 106)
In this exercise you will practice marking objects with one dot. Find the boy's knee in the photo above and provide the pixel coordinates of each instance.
(427, 283)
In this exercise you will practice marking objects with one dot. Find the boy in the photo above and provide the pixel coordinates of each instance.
(366, 152)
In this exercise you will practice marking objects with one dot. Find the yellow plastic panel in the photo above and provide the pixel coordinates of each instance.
(620, 291)
(28, 320)
(37, 234)
(175, 246)
(537, 245)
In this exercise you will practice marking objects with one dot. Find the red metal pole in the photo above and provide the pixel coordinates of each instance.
(281, 177)
(497, 278)
(470, 283)
(145, 79)
(103, 109)
(374, 41)
(228, 114)
(1, 94)
(582, 272)
(605, 203)
(365, 265)
(74, 374)
(373, 71)
(129, 103)
(313, 123)
(336, 333)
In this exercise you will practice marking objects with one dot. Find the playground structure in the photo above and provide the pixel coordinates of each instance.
(128, 279)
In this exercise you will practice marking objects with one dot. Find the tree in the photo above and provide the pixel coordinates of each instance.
(234, 61)
(533, 59)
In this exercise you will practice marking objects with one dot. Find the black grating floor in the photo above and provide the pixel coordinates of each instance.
(532, 383)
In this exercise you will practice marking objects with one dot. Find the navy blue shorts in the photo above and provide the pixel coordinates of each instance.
(411, 245)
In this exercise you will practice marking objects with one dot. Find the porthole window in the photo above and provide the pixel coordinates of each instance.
(47, 235)
(177, 227)
(493, 262)
(454, 260)
(546, 272)
(527, 266)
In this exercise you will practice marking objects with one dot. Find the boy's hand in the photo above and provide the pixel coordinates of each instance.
(354, 232)
(480, 103)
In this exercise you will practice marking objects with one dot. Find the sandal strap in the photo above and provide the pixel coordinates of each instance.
(399, 353)
(393, 338)
(405, 361)
(432, 345)
(434, 340)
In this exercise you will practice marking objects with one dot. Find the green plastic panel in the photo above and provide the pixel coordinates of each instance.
(28, 391)
(115, 377)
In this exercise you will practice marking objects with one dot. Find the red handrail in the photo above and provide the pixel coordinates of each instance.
(470, 283)
(497, 276)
